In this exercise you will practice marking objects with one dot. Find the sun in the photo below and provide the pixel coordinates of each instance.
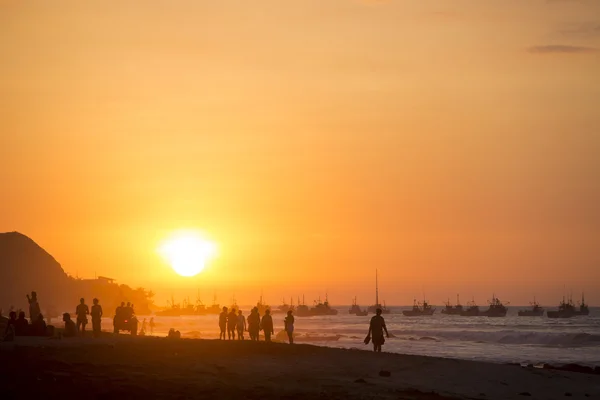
(187, 252)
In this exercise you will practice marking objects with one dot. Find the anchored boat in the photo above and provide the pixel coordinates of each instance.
(453, 310)
(419, 310)
(535, 311)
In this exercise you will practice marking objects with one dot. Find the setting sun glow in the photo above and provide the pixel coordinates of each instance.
(187, 253)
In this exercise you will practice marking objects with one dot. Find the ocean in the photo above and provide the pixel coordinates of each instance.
(512, 339)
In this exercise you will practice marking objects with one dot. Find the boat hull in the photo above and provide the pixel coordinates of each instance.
(410, 313)
(529, 313)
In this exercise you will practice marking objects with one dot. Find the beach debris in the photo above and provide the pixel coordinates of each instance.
(524, 394)
(568, 394)
(360, 380)
(385, 373)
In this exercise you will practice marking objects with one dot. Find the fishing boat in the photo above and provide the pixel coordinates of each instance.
(356, 310)
(172, 309)
(496, 308)
(214, 308)
(302, 310)
(453, 310)
(566, 309)
(322, 308)
(472, 310)
(584, 309)
(377, 305)
(419, 310)
(262, 307)
(284, 307)
(535, 311)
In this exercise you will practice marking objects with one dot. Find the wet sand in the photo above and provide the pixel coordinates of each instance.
(147, 367)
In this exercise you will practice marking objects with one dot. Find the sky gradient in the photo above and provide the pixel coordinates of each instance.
(452, 144)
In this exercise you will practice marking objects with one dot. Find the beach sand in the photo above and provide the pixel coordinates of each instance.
(115, 367)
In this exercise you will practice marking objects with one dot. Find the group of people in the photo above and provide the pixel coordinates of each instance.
(82, 311)
(20, 326)
(232, 323)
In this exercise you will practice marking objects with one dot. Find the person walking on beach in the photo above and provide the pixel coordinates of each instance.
(231, 324)
(152, 326)
(223, 323)
(267, 325)
(34, 307)
(254, 324)
(241, 325)
(96, 318)
(376, 328)
(82, 312)
(289, 326)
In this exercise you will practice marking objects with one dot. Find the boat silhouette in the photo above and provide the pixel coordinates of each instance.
(453, 310)
(377, 305)
(356, 310)
(419, 309)
(535, 311)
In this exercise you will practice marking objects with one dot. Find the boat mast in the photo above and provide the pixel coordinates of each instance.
(376, 288)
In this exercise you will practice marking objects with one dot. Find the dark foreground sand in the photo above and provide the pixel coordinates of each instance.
(125, 367)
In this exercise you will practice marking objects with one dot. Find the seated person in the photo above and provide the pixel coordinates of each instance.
(70, 328)
(9, 332)
(38, 326)
(21, 325)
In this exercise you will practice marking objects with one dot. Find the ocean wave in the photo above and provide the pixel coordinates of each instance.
(509, 337)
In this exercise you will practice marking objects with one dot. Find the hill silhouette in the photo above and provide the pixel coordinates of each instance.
(25, 266)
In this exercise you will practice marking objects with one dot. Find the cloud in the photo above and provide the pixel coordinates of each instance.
(561, 49)
(581, 29)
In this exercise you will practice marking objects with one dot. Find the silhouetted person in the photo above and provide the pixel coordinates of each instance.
(231, 324)
(241, 325)
(289, 326)
(34, 306)
(128, 312)
(267, 325)
(70, 328)
(376, 328)
(38, 327)
(21, 325)
(143, 330)
(9, 332)
(96, 314)
(223, 323)
(82, 312)
(254, 324)
(152, 326)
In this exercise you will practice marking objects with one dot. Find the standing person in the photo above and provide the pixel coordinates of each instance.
(241, 325)
(152, 326)
(254, 324)
(82, 312)
(96, 318)
(143, 330)
(231, 324)
(223, 323)
(289, 326)
(267, 325)
(376, 328)
(34, 306)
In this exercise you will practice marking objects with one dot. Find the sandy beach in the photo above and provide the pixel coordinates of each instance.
(126, 367)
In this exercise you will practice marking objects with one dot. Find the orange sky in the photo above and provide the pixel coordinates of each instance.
(452, 144)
